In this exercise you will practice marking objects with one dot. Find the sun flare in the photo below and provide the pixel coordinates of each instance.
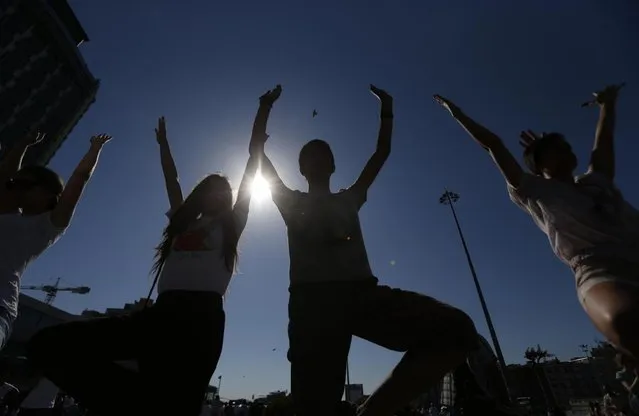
(260, 190)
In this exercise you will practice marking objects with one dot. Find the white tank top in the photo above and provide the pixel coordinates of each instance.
(196, 261)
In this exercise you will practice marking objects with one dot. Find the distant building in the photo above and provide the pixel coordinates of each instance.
(44, 81)
(127, 309)
(567, 384)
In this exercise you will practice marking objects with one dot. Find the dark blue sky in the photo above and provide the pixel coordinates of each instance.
(202, 64)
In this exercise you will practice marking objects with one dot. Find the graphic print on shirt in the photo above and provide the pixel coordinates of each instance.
(193, 240)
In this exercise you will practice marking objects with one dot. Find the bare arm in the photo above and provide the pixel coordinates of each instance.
(602, 158)
(12, 162)
(258, 139)
(376, 162)
(171, 181)
(63, 211)
(256, 149)
(504, 159)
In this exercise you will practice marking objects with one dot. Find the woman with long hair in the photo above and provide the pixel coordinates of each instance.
(589, 225)
(176, 342)
(35, 209)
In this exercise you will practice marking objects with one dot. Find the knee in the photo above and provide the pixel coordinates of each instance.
(623, 325)
(463, 334)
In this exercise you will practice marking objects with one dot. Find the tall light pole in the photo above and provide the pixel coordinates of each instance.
(449, 198)
(347, 393)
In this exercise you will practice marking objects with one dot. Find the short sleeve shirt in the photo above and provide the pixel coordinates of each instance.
(587, 216)
(22, 239)
(324, 235)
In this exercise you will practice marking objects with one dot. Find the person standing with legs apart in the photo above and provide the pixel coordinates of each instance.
(590, 226)
(177, 342)
(334, 294)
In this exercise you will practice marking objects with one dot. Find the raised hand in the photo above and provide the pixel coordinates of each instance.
(447, 104)
(270, 96)
(160, 130)
(383, 96)
(100, 140)
(608, 95)
(528, 137)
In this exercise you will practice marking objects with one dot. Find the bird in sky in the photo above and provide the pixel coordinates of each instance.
(314, 113)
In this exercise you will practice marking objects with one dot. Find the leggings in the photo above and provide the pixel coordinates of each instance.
(176, 342)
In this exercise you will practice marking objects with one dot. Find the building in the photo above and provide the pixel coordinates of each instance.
(44, 81)
(127, 309)
(570, 385)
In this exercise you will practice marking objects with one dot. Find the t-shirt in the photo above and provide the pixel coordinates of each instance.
(324, 235)
(587, 217)
(196, 261)
(22, 239)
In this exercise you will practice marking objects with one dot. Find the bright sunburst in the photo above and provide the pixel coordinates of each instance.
(260, 190)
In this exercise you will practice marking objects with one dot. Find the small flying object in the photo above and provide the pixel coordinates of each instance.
(314, 113)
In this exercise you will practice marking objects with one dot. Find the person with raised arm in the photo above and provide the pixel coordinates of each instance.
(335, 295)
(176, 342)
(590, 226)
(35, 209)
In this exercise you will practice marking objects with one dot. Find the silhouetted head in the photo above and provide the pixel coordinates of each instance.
(211, 196)
(316, 160)
(36, 189)
(550, 156)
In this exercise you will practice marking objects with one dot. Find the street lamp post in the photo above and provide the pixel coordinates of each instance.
(449, 198)
(347, 393)
(219, 385)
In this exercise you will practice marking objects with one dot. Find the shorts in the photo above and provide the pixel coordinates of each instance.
(592, 271)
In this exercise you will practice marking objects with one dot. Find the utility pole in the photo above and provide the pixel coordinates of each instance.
(449, 198)
(347, 393)
(219, 385)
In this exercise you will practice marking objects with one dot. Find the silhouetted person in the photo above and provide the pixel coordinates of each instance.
(335, 295)
(177, 342)
(589, 225)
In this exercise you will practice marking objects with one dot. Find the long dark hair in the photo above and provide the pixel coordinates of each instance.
(194, 206)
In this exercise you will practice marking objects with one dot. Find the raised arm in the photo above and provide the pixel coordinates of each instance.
(256, 148)
(13, 159)
(171, 181)
(63, 211)
(602, 158)
(375, 163)
(504, 159)
(278, 189)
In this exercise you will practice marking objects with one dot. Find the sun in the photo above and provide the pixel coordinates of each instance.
(260, 190)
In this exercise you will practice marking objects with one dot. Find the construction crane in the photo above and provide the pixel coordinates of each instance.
(52, 290)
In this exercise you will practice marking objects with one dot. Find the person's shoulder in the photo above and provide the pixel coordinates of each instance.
(592, 177)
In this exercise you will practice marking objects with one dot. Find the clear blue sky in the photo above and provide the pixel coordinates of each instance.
(202, 64)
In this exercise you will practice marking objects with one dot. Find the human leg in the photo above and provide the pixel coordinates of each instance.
(179, 364)
(79, 358)
(609, 293)
(434, 336)
(319, 343)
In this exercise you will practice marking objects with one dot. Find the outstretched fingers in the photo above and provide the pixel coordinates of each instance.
(527, 137)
